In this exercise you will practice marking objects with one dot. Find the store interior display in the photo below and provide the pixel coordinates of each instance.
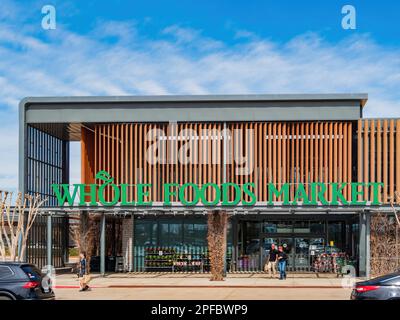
(331, 262)
(178, 259)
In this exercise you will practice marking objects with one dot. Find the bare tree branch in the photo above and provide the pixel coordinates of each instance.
(397, 196)
(384, 244)
(13, 230)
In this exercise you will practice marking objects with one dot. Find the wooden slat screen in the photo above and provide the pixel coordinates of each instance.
(293, 152)
(378, 161)
(259, 152)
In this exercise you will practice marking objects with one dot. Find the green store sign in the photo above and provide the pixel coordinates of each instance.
(244, 194)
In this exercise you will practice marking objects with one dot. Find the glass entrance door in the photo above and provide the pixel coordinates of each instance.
(300, 250)
(305, 250)
(302, 260)
(249, 257)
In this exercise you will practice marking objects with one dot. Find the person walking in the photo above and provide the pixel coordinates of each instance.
(271, 261)
(282, 260)
(83, 273)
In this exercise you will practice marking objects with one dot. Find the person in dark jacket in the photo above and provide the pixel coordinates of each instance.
(282, 261)
(271, 261)
(83, 273)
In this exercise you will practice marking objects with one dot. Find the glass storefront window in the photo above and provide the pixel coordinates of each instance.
(195, 234)
(163, 239)
(302, 239)
(229, 234)
(301, 257)
(175, 234)
(301, 227)
(252, 229)
(278, 227)
(270, 227)
(145, 233)
(317, 227)
(252, 246)
(294, 227)
(287, 244)
(302, 245)
(249, 237)
(268, 242)
(335, 235)
(317, 245)
(284, 227)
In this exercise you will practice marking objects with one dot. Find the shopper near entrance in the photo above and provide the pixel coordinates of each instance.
(271, 261)
(83, 273)
(282, 260)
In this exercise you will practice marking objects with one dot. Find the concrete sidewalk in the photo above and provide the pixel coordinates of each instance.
(200, 281)
(199, 287)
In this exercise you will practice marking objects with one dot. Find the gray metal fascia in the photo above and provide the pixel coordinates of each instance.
(217, 111)
(361, 97)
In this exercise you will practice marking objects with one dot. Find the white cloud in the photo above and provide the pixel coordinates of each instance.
(115, 59)
(191, 38)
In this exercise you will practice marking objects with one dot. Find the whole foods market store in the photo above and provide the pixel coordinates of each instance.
(317, 240)
(247, 140)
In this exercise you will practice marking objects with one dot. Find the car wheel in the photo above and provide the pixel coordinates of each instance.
(5, 298)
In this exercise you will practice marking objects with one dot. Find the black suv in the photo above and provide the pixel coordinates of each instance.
(23, 281)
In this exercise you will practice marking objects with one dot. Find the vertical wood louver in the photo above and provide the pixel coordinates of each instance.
(258, 152)
(378, 158)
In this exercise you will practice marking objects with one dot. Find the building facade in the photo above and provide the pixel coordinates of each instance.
(167, 161)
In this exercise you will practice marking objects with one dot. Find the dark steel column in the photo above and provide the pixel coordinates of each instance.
(234, 243)
(103, 245)
(225, 155)
(66, 239)
(367, 244)
(132, 253)
(363, 245)
(49, 240)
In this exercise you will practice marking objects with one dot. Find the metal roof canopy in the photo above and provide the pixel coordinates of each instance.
(240, 210)
(69, 113)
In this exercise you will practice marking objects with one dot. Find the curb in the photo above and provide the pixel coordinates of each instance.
(200, 287)
(225, 286)
(76, 287)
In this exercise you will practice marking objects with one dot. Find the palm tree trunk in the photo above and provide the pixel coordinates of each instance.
(217, 228)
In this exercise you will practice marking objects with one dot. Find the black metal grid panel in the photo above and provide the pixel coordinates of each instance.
(60, 231)
(37, 242)
(47, 162)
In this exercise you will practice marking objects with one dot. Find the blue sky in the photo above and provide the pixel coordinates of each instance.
(193, 47)
(276, 20)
